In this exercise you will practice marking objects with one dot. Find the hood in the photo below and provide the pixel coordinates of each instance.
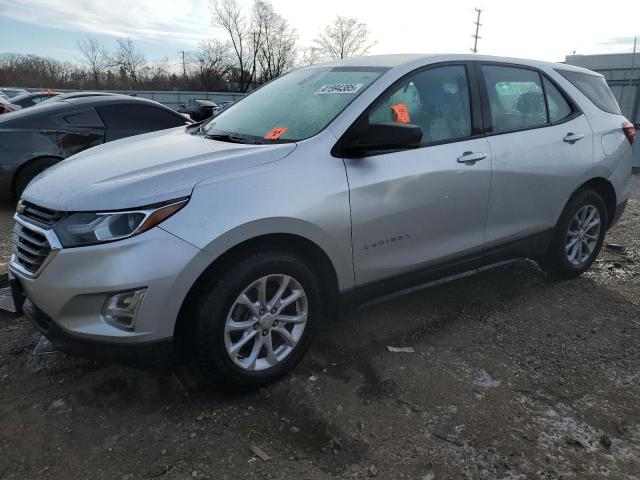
(143, 170)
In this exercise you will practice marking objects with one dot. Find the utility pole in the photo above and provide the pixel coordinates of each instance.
(184, 66)
(476, 37)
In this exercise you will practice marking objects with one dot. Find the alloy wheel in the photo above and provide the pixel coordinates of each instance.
(582, 237)
(266, 322)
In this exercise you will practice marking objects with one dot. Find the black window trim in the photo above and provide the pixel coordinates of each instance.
(474, 104)
(486, 108)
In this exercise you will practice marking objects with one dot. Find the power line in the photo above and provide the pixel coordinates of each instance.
(476, 37)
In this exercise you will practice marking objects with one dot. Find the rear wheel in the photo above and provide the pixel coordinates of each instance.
(256, 321)
(578, 236)
(30, 171)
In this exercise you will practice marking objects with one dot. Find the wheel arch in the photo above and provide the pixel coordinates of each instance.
(300, 246)
(605, 188)
(27, 164)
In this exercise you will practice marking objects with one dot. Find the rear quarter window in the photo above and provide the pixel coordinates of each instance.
(595, 88)
(139, 117)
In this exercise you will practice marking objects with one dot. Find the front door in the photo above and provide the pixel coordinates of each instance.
(421, 206)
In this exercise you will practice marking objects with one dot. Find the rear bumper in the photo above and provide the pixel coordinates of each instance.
(155, 355)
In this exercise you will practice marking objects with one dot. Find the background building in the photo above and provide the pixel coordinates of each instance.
(622, 72)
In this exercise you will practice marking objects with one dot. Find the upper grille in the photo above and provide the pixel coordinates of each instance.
(29, 248)
(31, 237)
(43, 217)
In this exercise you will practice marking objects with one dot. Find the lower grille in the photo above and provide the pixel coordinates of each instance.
(29, 248)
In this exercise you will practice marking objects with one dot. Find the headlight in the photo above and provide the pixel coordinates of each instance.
(84, 228)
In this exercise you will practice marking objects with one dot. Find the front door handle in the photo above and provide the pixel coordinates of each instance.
(573, 137)
(470, 158)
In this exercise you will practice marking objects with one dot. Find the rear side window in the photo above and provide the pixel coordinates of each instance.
(516, 98)
(559, 108)
(595, 88)
(139, 118)
(84, 118)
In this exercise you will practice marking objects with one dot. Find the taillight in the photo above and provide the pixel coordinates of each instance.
(629, 131)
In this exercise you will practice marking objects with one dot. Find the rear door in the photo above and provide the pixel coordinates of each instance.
(126, 120)
(416, 207)
(541, 144)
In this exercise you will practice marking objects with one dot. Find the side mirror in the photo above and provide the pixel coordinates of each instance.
(383, 137)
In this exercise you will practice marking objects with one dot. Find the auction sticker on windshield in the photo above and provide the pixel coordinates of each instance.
(339, 88)
(275, 133)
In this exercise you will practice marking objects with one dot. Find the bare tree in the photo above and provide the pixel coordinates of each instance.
(95, 58)
(345, 38)
(244, 37)
(129, 59)
(310, 56)
(277, 49)
(211, 62)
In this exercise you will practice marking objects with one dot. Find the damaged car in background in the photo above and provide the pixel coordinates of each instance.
(198, 110)
(34, 139)
(11, 92)
(27, 100)
(6, 106)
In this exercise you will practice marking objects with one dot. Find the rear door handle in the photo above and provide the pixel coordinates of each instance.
(573, 137)
(470, 157)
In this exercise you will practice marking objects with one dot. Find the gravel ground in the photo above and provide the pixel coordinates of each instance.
(513, 376)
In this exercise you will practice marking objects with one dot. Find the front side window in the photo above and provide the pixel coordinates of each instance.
(294, 107)
(516, 98)
(436, 100)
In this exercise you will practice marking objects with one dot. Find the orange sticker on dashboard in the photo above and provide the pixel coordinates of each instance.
(401, 113)
(275, 133)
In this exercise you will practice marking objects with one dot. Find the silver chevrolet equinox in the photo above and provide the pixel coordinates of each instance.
(224, 245)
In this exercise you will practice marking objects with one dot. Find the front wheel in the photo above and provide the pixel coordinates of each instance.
(578, 236)
(254, 323)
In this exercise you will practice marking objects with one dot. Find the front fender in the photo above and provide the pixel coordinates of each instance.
(287, 226)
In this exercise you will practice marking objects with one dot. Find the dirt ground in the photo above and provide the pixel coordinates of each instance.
(513, 376)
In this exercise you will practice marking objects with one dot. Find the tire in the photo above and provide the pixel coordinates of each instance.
(217, 308)
(564, 259)
(29, 171)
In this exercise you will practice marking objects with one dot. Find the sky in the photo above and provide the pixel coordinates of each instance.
(541, 29)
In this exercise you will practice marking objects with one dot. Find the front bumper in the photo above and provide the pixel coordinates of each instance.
(159, 354)
(70, 292)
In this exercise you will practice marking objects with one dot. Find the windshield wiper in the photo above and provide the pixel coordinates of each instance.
(225, 137)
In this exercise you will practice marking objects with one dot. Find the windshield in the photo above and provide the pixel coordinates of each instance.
(295, 106)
